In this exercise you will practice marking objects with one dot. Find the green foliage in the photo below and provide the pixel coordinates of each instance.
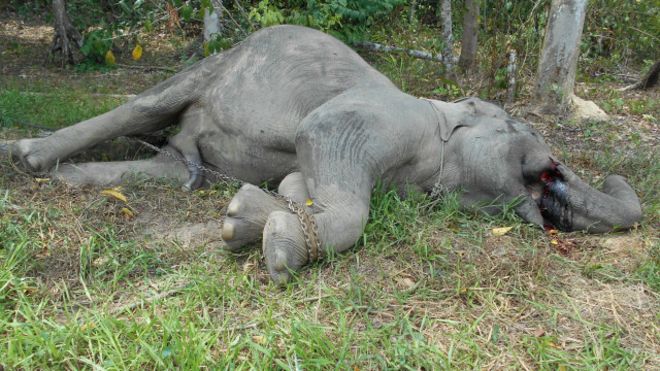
(96, 45)
(620, 32)
(346, 19)
(266, 14)
(216, 44)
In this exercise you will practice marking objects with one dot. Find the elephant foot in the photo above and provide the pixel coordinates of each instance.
(247, 214)
(31, 154)
(284, 246)
(5, 146)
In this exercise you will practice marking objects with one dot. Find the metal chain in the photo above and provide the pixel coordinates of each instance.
(307, 221)
(438, 188)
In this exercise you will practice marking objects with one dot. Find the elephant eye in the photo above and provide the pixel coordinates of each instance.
(551, 174)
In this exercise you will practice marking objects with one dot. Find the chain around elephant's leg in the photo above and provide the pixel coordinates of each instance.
(340, 217)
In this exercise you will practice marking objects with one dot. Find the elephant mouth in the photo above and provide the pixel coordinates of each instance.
(554, 202)
(550, 191)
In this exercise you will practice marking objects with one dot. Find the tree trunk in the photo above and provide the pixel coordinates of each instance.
(511, 70)
(411, 15)
(66, 36)
(647, 81)
(561, 47)
(212, 20)
(470, 32)
(447, 34)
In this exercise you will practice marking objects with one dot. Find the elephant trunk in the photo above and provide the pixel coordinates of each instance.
(570, 204)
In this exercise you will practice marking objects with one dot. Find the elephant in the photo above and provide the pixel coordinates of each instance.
(296, 106)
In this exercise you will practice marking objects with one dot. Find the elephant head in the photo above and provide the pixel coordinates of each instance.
(491, 156)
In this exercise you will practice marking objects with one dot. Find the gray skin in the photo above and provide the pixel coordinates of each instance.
(295, 105)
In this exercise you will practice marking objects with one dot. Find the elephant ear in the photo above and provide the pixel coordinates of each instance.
(451, 116)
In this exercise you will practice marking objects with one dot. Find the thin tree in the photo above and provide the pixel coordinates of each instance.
(447, 35)
(555, 79)
(66, 37)
(470, 32)
(212, 20)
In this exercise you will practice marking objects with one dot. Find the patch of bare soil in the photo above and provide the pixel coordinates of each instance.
(24, 58)
(168, 221)
(158, 227)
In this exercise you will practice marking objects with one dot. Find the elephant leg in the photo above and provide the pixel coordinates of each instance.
(155, 109)
(340, 222)
(293, 186)
(248, 211)
(113, 173)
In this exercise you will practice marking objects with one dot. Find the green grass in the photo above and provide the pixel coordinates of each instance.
(51, 108)
(428, 286)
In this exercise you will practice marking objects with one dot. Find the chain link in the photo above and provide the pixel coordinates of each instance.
(306, 219)
(438, 188)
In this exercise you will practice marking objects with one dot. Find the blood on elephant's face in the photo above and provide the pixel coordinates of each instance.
(497, 161)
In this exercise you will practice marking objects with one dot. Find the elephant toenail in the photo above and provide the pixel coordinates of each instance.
(281, 279)
(280, 262)
(228, 231)
(233, 207)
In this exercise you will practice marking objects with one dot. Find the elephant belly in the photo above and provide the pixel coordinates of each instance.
(245, 158)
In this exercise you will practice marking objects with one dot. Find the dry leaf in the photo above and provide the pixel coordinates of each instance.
(128, 213)
(406, 282)
(564, 247)
(539, 332)
(258, 339)
(137, 52)
(87, 326)
(110, 58)
(42, 180)
(114, 193)
(501, 231)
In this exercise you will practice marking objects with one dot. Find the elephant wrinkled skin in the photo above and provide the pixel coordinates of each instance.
(295, 105)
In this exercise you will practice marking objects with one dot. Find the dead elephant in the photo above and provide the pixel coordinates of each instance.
(295, 105)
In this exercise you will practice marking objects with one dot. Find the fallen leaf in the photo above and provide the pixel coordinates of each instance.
(539, 332)
(114, 193)
(137, 52)
(42, 180)
(406, 282)
(87, 326)
(127, 212)
(501, 231)
(309, 202)
(258, 339)
(110, 58)
(563, 246)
